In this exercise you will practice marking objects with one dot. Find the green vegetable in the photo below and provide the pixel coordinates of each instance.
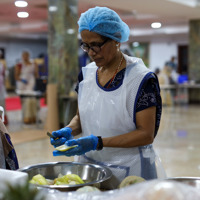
(129, 180)
(38, 179)
(22, 192)
(87, 189)
(71, 179)
(74, 177)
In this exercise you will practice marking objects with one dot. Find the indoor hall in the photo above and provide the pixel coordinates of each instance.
(165, 37)
(177, 142)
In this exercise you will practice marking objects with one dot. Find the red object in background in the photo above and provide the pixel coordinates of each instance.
(42, 102)
(14, 103)
(5, 120)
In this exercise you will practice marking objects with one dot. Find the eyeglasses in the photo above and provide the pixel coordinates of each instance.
(96, 48)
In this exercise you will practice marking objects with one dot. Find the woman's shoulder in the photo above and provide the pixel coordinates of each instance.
(135, 65)
(130, 60)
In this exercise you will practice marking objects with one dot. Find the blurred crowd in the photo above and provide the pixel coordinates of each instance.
(28, 75)
(169, 80)
(32, 74)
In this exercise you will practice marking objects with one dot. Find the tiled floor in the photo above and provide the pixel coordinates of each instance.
(30, 141)
(177, 143)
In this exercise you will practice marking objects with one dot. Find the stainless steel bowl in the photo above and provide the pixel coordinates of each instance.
(192, 181)
(91, 174)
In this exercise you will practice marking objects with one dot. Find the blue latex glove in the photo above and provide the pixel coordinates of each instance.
(85, 144)
(61, 136)
(24, 81)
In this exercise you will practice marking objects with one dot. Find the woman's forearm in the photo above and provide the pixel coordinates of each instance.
(75, 125)
(132, 139)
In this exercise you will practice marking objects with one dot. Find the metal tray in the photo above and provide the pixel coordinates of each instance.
(91, 174)
(192, 181)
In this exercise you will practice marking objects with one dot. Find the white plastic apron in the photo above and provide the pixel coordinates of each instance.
(27, 73)
(106, 113)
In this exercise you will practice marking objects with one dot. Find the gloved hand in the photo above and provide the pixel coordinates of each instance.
(24, 81)
(85, 144)
(61, 136)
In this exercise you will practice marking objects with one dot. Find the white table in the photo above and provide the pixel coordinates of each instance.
(181, 91)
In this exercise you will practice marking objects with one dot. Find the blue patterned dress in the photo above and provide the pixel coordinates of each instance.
(149, 94)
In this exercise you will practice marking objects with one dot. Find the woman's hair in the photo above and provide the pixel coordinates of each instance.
(105, 38)
(105, 22)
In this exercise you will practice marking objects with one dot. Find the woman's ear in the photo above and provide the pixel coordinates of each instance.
(118, 46)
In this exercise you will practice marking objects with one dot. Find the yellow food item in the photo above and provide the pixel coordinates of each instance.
(129, 180)
(69, 179)
(87, 188)
(65, 147)
(39, 179)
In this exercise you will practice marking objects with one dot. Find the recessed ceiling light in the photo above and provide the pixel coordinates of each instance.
(21, 3)
(53, 8)
(70, 31)
(156, 25)
(22, 14)
(135, 44)
(191, 3)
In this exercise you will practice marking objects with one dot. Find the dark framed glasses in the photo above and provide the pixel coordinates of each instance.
(96, 47)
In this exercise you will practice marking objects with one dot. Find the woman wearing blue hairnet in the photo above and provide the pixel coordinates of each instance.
(119, 104)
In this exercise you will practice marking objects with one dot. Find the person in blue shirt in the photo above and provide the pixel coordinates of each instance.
(119, 103)
(172, 63)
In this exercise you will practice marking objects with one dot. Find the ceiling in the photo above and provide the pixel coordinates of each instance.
(138, 14)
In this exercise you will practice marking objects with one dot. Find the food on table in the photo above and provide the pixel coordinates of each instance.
(129, 180)
(68, 179)
(87, 188)
(38, 179)
(71, 179)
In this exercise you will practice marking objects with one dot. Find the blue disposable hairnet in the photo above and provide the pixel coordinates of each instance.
(104, 21)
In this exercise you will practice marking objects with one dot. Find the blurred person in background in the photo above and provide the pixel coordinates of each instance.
(26, 73)
(119, 103)
(157, 71)
(2, 85)
(164, 81)
(168, 79)
(172, 64)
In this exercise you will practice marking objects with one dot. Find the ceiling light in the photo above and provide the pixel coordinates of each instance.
(70, 31)
(169, 30)
(22, 14)
(156, 25)
(21, 3)
(135, 44)
(190, 3)
(53, 8)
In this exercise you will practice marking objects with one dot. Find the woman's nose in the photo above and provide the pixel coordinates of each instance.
(91, 52)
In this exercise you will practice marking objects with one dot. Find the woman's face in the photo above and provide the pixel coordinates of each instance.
(25, 56)
(108, 51)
